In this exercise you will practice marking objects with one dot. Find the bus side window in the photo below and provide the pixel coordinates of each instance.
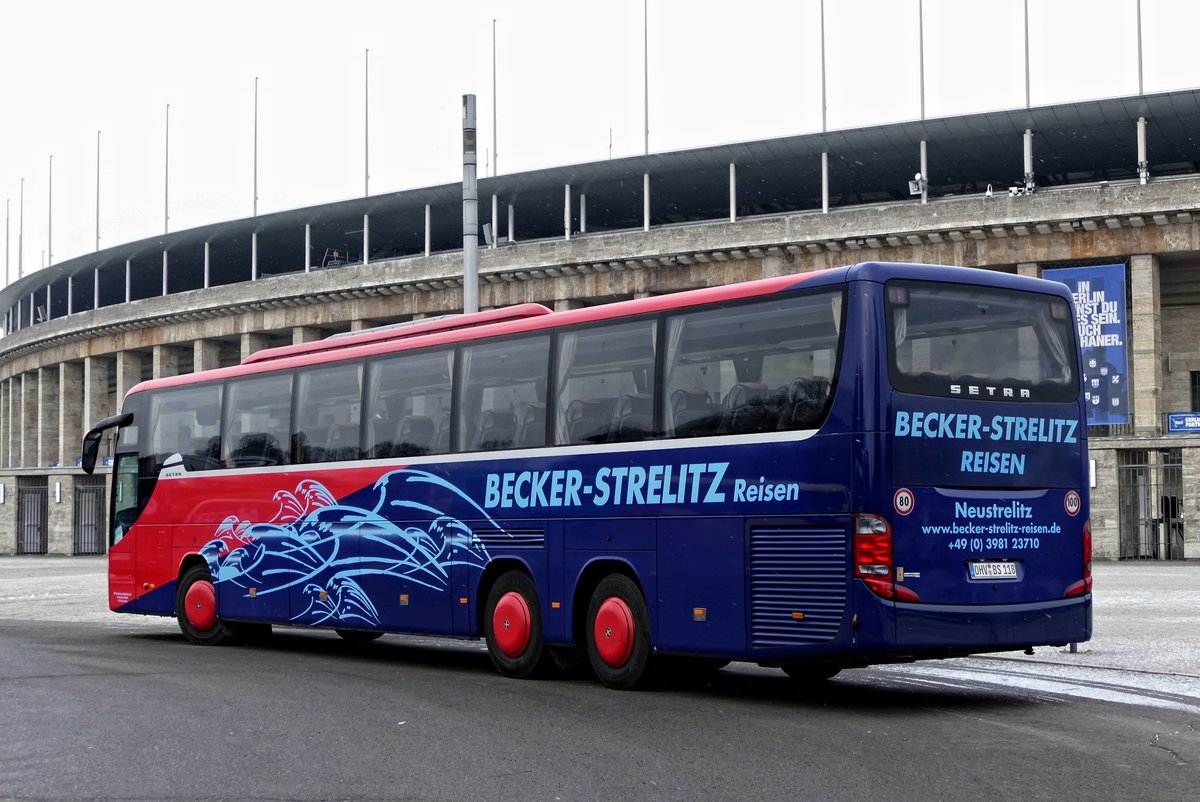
(329, 401)
(258, 421)
(604, 391)
(498, 380)
(408, 404)
(186, 421)
(752, 368)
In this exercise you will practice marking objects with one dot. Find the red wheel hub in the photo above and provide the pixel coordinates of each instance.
(512, 624)
(200, 605)
(613, 633)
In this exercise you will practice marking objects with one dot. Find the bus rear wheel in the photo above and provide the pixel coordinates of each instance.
(618, 633)
(196, 608)
(512, 626)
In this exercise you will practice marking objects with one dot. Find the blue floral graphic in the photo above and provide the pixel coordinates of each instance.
(409, 525)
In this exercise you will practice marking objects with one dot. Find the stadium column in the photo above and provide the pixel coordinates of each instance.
(165, 361)
(164, 273)
(732, 192)
(1146, 342)
(512, 217)
(206, 355)
(252, 341)
(428, 228)
(96, 402)
(645, 202)
(70, 411)
(567, 211)
(582, 213)
(129, 373)
(5, 422)
(29, 419)
(306, 334)
(47, 416)
(366, 257)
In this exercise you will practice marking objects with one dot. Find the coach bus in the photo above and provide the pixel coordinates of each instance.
(870, 464)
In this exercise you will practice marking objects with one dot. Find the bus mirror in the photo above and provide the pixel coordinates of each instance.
(91, 440)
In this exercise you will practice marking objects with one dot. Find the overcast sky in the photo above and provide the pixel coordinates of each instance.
(568, 71)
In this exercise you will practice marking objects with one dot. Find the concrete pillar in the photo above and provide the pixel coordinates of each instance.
(165, 361)
(732, 192)
(5, 423)
(366, 239)
(645, 201)
(206, 355)
(306, 334)
(47, 425)
(70, 411)
(1106, 511)
(164, 274)
(8, 514)
(60, 513)
(428, 228)
(129, 373)
(254, 256)
(1191, 502)
(207, 264)
(308, 247)
(252, 342)
(28, 433)
(1145, 344)
(567, 211)
(512, 217)
(495, 221)
(567, 304)
(97, 404)
(583, 214)
(1030, 269)
(128, 280)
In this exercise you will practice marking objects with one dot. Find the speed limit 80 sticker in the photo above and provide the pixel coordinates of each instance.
(903, 501)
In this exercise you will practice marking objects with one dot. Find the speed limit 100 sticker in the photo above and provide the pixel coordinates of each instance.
(903, 501)
(1072, 503)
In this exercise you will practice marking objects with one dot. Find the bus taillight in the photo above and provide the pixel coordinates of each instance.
(1084, 586)
(873, 562)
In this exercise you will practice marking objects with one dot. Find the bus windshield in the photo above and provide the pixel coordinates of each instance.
(955, 341)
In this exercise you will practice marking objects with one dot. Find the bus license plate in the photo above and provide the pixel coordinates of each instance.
(993, 570)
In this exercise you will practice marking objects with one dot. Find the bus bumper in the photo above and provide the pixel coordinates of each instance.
(998, 627)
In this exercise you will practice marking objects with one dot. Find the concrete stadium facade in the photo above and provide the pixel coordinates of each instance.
(61, 372)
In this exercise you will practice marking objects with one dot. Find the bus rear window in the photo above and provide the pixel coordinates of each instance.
(959, 341)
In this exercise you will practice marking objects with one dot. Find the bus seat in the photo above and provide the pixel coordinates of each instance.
(693, 413)
(806, 399)
(745, 409)
(441, 435)
(414, 436)
(342, 443)
(531, 425)
(588, 420)
(496, 430)
(633, 418)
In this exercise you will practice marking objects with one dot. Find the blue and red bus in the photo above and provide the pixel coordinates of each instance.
(870, 464)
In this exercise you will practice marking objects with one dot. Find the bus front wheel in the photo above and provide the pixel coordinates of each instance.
(618, 633)
(512, 626)
(196, 607)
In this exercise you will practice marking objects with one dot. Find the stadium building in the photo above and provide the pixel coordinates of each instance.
(1107, 191)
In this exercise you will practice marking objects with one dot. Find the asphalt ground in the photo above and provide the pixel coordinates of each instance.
(1146, 615)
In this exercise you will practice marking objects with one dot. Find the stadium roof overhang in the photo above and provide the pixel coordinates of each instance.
(1081, 142)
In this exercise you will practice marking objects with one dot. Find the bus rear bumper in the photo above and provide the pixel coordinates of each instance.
(979, 628)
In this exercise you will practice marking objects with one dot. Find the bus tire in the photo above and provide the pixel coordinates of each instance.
(618, 633)
(196, 608)
(512, 626)
(358, 635)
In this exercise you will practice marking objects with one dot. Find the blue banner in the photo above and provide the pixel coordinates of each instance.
(1099, 293)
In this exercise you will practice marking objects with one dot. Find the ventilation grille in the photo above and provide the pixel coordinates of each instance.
(513, 539)
(797, 585)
